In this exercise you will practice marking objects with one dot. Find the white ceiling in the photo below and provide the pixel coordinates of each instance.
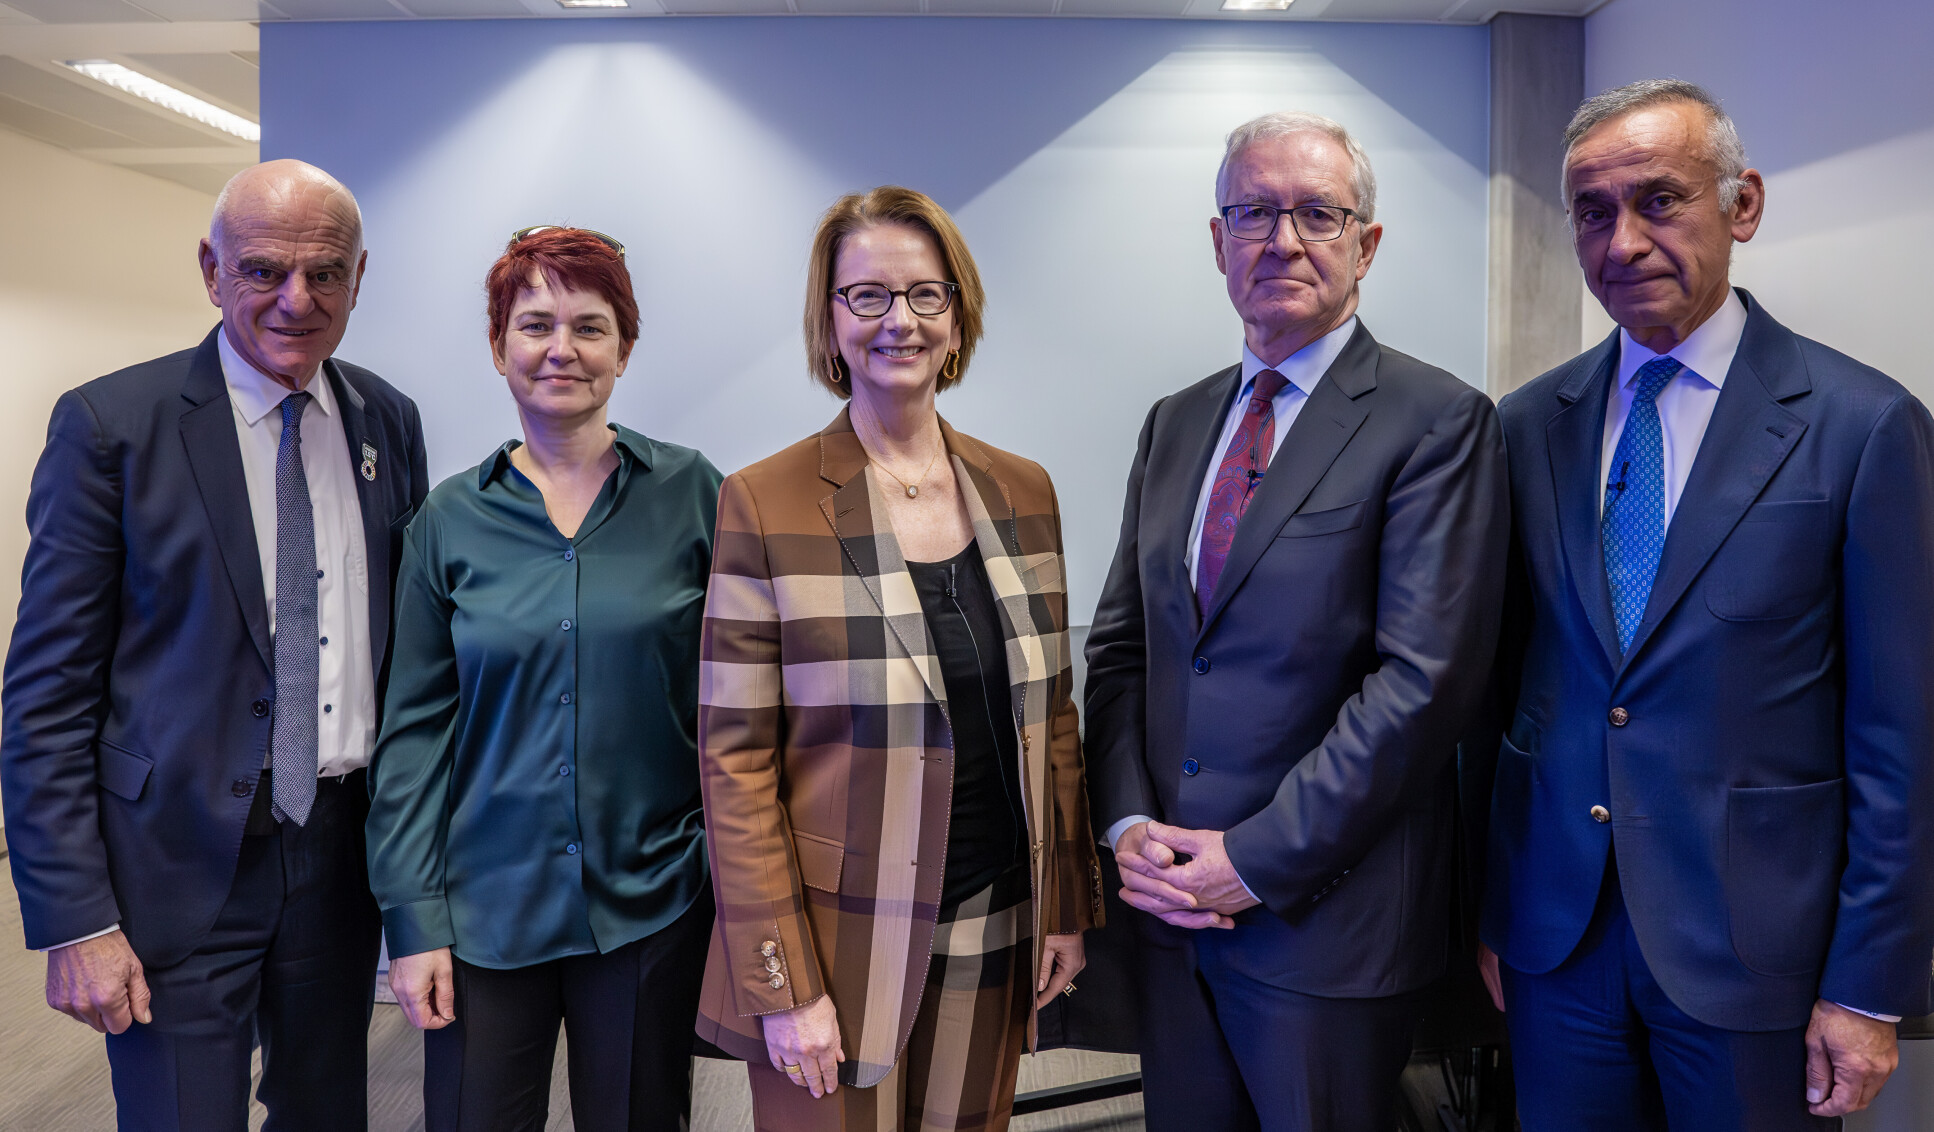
(208, 47)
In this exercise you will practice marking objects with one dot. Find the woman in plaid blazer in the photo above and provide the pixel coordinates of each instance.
(902, 874)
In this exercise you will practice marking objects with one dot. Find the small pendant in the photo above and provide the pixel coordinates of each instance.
(913, 490)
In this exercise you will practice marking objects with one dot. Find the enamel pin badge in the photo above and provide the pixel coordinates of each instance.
(369, 461)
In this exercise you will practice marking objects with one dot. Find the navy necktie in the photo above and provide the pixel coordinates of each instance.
(1633, 522)
(298, 652)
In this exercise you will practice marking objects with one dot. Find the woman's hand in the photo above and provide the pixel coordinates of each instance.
(1062, 958)
(803, 1043)
(425, 986)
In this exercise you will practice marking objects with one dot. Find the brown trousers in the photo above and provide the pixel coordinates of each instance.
(958, 1069)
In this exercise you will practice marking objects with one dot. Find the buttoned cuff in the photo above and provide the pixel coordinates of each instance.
(111, 929)
(423, 925)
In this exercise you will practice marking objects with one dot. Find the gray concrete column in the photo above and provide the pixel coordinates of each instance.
(1537, 80)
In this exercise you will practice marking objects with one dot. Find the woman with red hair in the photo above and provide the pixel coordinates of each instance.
(536, 840)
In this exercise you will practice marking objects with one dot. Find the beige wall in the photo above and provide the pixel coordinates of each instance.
(97, 271)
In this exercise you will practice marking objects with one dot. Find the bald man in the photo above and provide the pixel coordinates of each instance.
(191, 691)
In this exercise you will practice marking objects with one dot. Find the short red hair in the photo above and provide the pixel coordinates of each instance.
(570, 259)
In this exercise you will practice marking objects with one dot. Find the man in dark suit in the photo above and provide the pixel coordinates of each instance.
(191, 690)
(1295, 628)
(1709, 847)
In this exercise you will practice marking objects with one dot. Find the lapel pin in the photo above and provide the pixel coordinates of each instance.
(369, 461)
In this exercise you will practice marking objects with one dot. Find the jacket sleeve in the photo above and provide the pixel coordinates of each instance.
(1117, 653)
(1076, 905)
(409, 775)
(56, 681)
(1439, 592)
(1884, 929)
(770, 961)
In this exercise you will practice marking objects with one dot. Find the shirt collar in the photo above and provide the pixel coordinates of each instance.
(257, 394)
(633, 449)
(1304, 368)
(1707, 353)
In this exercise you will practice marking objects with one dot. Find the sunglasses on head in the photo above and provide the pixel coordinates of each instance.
(534, 229)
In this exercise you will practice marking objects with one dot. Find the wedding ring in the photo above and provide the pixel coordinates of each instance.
(792, 1069)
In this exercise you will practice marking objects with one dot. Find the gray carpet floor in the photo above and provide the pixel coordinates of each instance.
(54, 1078)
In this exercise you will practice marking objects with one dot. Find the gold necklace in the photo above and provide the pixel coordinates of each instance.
(913, 489)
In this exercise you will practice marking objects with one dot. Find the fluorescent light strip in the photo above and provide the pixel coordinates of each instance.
(1255, 5)
(165, 96)
(594, 3)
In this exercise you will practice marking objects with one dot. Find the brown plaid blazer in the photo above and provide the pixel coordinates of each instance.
(825, 753)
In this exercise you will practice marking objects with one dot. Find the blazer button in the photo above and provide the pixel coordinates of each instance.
(776, 981)
(1191, 766)
(241, 788)
(1201, 665)
(1601, 815)
(768, 948)
(260, 709)
(1620, 717)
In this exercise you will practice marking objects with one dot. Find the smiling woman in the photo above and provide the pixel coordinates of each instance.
(535, 834)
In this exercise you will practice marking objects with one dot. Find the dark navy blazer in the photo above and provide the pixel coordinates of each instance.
(138, 685)
(1764, 748)
(1314, 714)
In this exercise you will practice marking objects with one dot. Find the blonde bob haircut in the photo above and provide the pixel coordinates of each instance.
(888, 204)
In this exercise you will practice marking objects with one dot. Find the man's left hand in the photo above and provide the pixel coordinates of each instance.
(1208, 875)
(1849, 1056)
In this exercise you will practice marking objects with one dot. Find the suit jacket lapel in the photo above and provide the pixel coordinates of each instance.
(1172, 507)
(857, 516)
(370, 501)
(1750, 436)
(1574, 442)
(1334, 413)
(215, 457)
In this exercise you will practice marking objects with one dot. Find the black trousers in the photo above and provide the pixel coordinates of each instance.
(1224, 1051)
(291, 960)
(629, 1015)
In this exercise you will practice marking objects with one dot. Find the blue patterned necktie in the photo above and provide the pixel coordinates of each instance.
(1633, 522)
(298, 651)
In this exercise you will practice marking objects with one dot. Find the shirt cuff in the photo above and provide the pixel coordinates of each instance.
(1114, 832)
(1869, 1013)
(110, 930)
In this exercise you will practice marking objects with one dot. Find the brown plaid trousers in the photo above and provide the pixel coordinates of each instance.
(825, 754)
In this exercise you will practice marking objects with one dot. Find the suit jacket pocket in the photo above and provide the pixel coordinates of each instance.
(1785, 848)
(1776, 563)
(1044, 576)
(1325, 522)
(120, 771)
(820, 861)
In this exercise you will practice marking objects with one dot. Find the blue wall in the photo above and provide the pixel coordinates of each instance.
(1079, 157)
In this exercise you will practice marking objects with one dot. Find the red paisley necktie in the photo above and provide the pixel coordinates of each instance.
(1235, 483)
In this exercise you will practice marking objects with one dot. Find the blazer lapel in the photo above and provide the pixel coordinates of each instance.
(1574, 440)
(1334, 413)
(215, 457)
(1177, 494)
(857, 516)
(1750, 436)
(364, 453)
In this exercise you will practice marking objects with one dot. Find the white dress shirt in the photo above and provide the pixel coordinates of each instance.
(1685, 404)
(1302, 369)
(346, 683)
(1685, 409)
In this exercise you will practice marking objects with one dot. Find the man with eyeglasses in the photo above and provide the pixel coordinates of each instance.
(1297, 625)
(191, 689)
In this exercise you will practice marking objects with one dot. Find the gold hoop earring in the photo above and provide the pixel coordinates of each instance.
(950, 369)
(838, 365)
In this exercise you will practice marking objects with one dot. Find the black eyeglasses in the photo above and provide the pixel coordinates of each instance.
(1314, 223)
(873, 300)
(534, 229)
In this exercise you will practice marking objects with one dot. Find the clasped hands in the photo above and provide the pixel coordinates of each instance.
(1203, 893)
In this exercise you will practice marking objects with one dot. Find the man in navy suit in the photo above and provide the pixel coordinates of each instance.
(1709, 847)
(1295, 631)
(191, 690)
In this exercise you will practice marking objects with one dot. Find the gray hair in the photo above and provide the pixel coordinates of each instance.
(1283, 123)
(1723, 147)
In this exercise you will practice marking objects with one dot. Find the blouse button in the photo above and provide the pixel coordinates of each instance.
(569, 554)
(565, 698)
(565, 771)
(565, 624)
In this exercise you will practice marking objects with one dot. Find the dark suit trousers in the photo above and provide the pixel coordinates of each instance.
(291, 959)
(1224, 1051)
(629, 1014)
(1598, 1047)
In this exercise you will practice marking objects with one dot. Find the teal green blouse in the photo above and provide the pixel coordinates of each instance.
(534, 792)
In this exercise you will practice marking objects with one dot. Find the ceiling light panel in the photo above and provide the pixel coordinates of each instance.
(166, 97)
(593, 3)
(1255, 5)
